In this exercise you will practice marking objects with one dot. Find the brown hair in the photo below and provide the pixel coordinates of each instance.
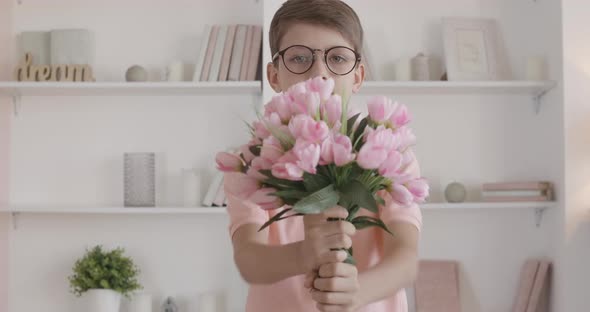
(334, 14)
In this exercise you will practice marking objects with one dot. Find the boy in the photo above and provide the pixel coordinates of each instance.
(291, 265)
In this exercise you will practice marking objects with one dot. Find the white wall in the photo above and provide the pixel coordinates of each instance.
(574, 254)
(67, 150)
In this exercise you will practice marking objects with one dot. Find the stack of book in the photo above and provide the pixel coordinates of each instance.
(230, 53)
(517, 191)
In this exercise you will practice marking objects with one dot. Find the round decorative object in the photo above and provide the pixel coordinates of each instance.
(455, 192)
(136, 73)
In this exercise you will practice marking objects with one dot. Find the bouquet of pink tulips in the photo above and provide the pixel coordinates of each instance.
(309, 153)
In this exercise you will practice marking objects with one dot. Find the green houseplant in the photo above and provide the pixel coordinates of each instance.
(103, 276)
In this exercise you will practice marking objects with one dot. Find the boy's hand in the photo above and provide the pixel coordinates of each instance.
(335, 287)
(324, 238)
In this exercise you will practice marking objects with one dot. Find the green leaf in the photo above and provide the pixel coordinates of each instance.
(318, 201)
(351, 122)
(359, 132)
(297, 194)
(275, 218)
(315, 182)
(355, 193)
(366, 221)
(353, 211)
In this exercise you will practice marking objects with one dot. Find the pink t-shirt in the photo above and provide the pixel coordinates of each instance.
(289, 295)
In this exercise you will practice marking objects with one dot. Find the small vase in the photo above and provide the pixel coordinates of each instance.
(102, 300)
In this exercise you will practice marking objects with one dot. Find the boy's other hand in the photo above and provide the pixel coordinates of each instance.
(324, 239)
(335, 287)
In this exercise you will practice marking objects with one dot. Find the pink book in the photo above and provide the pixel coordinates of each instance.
(517, 185)
(525, 286)
(516, 198)
(437, 287)
(246, 55)
(538, 301)
(227, 50)
(209, 55)
(254, 53)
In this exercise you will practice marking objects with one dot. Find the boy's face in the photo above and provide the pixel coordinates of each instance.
(315, 37)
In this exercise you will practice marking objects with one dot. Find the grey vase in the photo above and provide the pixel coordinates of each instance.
(139, 179)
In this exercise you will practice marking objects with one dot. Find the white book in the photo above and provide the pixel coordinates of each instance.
(218, 53)
(213, 187)
(237, 53)
(220, 196)
(202, 53)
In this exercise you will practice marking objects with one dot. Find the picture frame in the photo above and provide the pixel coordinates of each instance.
(474, 50)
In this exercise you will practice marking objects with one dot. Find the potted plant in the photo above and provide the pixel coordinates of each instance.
(103, 277)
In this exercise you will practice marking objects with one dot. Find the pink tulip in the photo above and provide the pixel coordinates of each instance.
(271, 149)
(240, 184)
(260, 130)
(266, 201)
(308, 155)
(304, 127)
(227, 162)
(305, 103)
(259, 163)
(337, 149)
(286, 168)
(377, 147)
(405, 137)
(400, 117)
(332, 110)
(401, 195)
(391, 164)
(380, 109)
(419, 189)
(280, 104)
(324, 87)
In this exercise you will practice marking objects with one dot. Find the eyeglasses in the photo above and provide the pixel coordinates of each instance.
(298, 59)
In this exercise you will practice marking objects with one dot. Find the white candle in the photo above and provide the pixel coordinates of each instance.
(176, 71)
(536, 68)
(403, 69)
(191, 187)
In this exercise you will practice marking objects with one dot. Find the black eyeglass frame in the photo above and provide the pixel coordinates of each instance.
(281, 53)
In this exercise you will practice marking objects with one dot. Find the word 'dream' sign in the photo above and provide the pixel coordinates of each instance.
(63, 72)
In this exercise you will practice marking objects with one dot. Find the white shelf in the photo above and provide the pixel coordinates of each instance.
(487, 205)
(17, 89)
(115, 210)
(532, 88)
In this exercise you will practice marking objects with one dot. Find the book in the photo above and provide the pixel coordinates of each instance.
(437, 286)
(218, 53)
(539, 298)
(227, 51)
(215, 184)
(517, 185)
(202, 53)
(246, 55)
(237, 53)
(255, 48)
(209, 55)
(515, 193)
(528, 273)
(516, 198)
(219, 196)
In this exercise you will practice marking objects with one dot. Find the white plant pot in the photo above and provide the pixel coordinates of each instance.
(102, 300)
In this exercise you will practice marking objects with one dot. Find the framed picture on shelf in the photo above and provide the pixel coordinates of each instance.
(474, 50)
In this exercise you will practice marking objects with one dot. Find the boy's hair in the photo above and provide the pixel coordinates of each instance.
(334, 14)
